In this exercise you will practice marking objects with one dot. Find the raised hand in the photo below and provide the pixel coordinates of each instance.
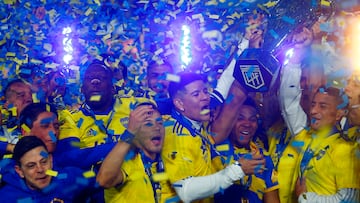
(138, 117)
(254, 31)
(252, 163)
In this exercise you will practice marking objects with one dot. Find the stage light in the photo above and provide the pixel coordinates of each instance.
(67, 45)
(185, 49)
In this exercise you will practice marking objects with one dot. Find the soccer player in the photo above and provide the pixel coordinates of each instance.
(257, 187)
(102, 118)
(18, 96)
(157, 81)
(295, 95)
(129, 170)
(156, 77)
(41, 120)
(328, 168)
(191, 162)
(36, 180)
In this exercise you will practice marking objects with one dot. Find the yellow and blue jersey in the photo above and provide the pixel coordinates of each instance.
(284, 151)
(95, 129)
(329, 164)
(137, 185)
(251, 188)
(186, 152)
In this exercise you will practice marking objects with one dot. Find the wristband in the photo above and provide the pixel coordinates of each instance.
(127, 137)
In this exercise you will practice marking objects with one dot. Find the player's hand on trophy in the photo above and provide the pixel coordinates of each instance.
(254, 31)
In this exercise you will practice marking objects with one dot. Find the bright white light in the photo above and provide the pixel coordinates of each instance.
(67, 58)
(66, 30)
(67, 45)
(185, 49)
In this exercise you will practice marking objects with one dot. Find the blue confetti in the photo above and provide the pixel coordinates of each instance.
(173, 200)
(258, 168)
(247, 156)
(130, 155)
(345, 102)
(62, 176)
(297, 143)
(44, 154)
(288, 20)
(80, 122)
(52, 136)
(274, 34)
(229, 98)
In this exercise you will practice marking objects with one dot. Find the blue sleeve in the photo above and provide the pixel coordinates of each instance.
(83, 158)
(3, 146)
(67, 144)
(74, 180)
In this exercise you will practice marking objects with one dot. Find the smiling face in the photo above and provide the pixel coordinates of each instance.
(194, 101)
(245, 126)
(32, 167)
(46, 127)
(97, 87)
(324, 111)
(151, 134)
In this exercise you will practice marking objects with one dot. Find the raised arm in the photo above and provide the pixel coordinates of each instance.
(110, 173)
(290, 89)
(223, 123)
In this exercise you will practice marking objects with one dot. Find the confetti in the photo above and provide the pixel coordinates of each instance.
(95, 98)
(44, 154)
(51, 173)
(89, 174)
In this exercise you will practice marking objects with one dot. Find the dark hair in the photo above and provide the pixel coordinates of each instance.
(12, 82)
(154, 64)
(26, 144)
(30, 113)
(97, 62)
(250, 102)
(185, 79)
(332, 91)
(149, 103)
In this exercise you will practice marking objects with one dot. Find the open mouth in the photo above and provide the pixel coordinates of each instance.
(42, 179)
(205, 110)
(156, 140)
(245, 132)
